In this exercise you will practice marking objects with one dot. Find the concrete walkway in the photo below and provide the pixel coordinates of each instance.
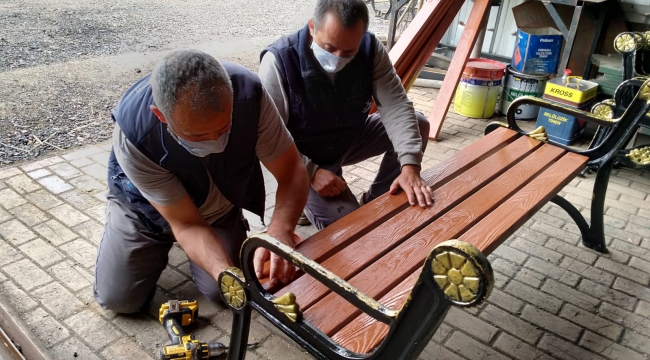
(553, 297)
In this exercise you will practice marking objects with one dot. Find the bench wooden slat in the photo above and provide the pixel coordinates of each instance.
(331, 239)
(371, 333)
(376, 280)
(364, 333)
(502, 222)
(352, 259)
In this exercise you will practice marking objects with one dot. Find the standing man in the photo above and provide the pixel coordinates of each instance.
(186, 158)
(323, 79)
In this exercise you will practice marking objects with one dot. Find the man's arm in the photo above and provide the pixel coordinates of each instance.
(292, 189)
(278, 153)
(397, 111)
(167, 194)
(290, 199)
(398, 117)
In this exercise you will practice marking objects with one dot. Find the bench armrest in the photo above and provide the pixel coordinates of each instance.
(363, 302)
(530, 100)
(622, 127)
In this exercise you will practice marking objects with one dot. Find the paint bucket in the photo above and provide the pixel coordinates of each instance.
(517, 85)
(479, 88)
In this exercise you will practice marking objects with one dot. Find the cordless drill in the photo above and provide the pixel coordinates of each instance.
(174, 315)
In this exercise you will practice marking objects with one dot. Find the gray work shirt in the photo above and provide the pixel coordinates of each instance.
(161, 187)
(396, 110)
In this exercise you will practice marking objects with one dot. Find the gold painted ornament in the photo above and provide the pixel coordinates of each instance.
(233, 292)
(462, 272)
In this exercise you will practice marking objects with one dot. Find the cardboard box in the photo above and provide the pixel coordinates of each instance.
(533, 14)
(537, 51)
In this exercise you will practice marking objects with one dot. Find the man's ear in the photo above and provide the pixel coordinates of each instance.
(311, 27)
(154, 109)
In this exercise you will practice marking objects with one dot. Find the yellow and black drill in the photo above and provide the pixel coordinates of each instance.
(174, 315)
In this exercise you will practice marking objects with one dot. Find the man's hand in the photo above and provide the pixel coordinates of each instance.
(290, 199)
(281, 270)
(415, 187)
(326, 183)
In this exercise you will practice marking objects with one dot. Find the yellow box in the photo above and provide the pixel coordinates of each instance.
(575, 92)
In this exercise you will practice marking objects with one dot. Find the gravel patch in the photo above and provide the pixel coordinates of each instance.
(64, 64)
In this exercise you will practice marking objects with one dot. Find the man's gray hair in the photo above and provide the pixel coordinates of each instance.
(190, 70)
(349, 11)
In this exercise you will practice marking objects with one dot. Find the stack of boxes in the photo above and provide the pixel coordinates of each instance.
(572, 92)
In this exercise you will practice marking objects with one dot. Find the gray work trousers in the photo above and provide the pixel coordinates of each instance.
(371, 141)
(131, 257)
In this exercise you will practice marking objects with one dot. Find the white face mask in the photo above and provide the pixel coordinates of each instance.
(328, 61)
(202, 148)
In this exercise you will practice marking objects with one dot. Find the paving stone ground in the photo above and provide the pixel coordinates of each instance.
(553, 297)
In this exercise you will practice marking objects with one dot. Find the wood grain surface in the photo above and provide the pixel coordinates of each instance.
(434, 36)
(411, 39)
(338, 235)
(507, 218)
(333, 238)
(382, 275)
(365, 333)
(455, 222)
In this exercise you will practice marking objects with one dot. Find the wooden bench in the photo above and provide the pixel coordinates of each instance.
(378, 283)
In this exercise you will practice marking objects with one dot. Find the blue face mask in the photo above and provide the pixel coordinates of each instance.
(202, 148)
(328, 61)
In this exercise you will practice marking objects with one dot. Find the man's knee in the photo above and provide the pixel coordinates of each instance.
(120, 301)
(212, 293)
(325, 215)
(423, 124)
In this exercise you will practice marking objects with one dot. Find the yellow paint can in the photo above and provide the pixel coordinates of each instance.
(479, 87)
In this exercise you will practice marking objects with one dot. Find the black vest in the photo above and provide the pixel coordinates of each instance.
(324, 118)
(236, 171)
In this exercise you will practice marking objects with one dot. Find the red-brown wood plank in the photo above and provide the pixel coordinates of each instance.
(414, 35)
(458, 62)
(364, 333)
(420, 39)
(391, 269)
(365, 250)
(435, 35)
(332, 238)
(507, 218)
(415, 54)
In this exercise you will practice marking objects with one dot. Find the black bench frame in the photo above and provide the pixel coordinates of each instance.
(605, 154)
(412, 327)
(635, 50)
